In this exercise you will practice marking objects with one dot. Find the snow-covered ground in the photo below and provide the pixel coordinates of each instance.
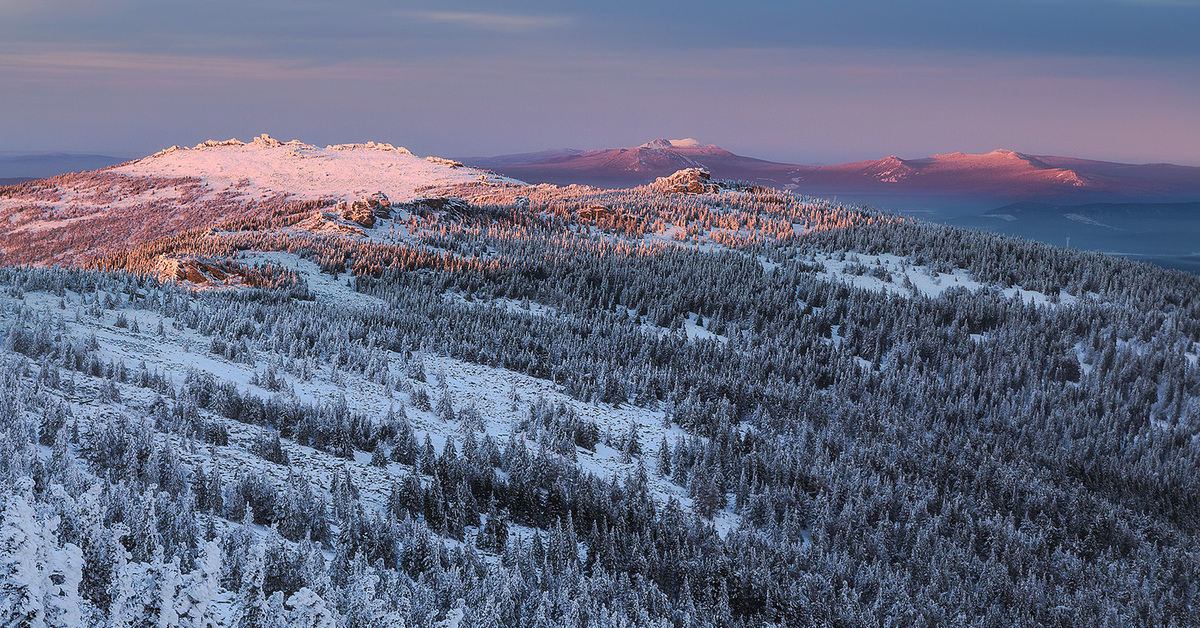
(888, 273)
(502, 397)
(510, 305)
(265, 166)
(323, 285)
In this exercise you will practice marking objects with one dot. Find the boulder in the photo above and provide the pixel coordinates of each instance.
(379, 203)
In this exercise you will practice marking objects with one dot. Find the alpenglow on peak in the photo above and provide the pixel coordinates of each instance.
(686, 142)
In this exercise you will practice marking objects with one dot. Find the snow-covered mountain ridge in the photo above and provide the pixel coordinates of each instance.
(76, 217)
(266, 167)
(481, 403)
(999, 175)
(175, 213)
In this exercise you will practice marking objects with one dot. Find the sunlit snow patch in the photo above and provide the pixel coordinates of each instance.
(897, 275)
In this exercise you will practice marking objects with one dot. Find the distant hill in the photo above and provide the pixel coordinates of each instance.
(14, 180)
(71, 217)
(17, 168)
(638, 165)
(957, 178)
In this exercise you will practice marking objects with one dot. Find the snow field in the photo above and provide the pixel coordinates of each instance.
(923, 280)
(265, 166)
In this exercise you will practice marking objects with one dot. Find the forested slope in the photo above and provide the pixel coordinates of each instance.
(572, 407)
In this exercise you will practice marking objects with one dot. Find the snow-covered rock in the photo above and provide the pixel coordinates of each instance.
(688, 181)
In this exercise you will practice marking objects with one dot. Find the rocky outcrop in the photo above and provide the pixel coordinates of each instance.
(687, 181)
(262, 141)
(364, 211)
(380, 204)
(445, 162)
(371, 146)
(594, 212)
(195, 272)
(357, 212)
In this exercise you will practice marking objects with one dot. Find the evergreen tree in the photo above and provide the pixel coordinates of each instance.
(250, 608)
(39, 579)
(193, 604)
(445, 407)
(306, 609)
(663, 466)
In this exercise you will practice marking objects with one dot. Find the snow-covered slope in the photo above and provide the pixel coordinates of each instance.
(654, 406)
(686, 142)
(265, 167)
(73, 218)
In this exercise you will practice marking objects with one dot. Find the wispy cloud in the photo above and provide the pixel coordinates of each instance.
(500, 22)
(45, 60)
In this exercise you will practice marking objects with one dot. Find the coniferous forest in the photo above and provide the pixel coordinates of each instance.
(528, 412)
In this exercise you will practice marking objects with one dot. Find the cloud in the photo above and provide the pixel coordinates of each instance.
(497, 22)
(56, 60)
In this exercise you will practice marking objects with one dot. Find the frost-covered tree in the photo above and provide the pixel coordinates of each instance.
(39, 578)
(306, 609)
(250, 609)
(193, 603)
(445, 406)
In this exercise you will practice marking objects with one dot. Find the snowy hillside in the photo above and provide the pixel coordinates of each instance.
(412, 394)
(265, 167)
(76, 218)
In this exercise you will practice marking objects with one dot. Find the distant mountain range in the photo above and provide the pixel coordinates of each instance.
(16, 168)
(628, 167)
(983, 181)
(1149, 212)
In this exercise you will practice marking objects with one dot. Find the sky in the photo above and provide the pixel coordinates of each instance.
(801, 81)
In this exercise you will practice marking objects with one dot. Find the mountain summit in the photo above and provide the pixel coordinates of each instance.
(633, 165)
(1003, 172)
(265, 167)
(68, 217)
(683, 143)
